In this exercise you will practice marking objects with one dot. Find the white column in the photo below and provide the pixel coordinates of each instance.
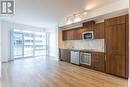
(0, 48)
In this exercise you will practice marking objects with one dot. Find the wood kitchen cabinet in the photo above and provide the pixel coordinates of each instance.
(64, 35)
(64, 55)
(89, 26)
(115, 38)
(98, 61)
(89, 23)
(99, 31)
(78, 33)
(73, 34)
(115, 31)
(127, 46)
(68, 34)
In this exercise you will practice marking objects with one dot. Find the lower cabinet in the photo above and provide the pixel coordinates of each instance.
(116, 65)
(98, 61)
(64, 55)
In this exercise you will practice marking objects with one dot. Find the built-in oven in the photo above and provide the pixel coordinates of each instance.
(88, 35)
(85, 58)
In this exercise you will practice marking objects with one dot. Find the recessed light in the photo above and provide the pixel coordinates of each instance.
(89, 7)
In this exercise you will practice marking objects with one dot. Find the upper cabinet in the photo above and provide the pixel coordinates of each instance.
(73, 34)
(89, 26)
(76, 33)
(68, 34)
(99, 31)
(115, 21)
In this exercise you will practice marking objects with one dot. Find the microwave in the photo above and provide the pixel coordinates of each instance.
(87, 35)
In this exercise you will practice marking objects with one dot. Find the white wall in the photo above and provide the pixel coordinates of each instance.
(110, 8)
(6, 27)
(129, 47)
(0, 48)
(53, 31)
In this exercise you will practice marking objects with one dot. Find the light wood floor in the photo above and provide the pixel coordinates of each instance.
(49, 72)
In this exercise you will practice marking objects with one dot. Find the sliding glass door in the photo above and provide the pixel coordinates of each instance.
(18, 45)
(29, 44)
(40, 44)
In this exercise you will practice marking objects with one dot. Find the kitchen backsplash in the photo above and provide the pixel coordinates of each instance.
(96, 44)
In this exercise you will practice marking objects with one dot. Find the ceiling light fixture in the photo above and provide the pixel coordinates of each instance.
(75, 17)
(68, 21)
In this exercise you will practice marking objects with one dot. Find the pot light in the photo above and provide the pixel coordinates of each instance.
(90, 6)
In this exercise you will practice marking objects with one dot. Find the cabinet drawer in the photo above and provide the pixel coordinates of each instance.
(98, 61)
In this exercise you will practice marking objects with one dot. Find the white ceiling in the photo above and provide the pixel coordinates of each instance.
(43, 13)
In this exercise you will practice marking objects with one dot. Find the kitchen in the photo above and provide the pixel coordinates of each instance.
(64, 43)
(98, 45)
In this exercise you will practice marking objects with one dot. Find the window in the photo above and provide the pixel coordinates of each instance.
(18, 45)
(27, 44)
(40, 44)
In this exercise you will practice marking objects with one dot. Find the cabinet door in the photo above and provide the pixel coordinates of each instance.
(98, 62)
(70, 34)
(115, 20)
(73, 34)
(99, 31)
(64, 35)
(116, 47)
(89, 23)
(89, 28)
(115, 39)
(62, 55)
(65, 55)
(78, 34)
(115, 64)
(127, 46)
(67, 34)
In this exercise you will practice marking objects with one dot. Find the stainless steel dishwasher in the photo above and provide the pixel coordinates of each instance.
(75, 57)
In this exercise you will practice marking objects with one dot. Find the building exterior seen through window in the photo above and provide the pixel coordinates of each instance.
(28, 44)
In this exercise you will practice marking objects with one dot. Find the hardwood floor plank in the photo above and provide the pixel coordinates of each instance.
(49, 72)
